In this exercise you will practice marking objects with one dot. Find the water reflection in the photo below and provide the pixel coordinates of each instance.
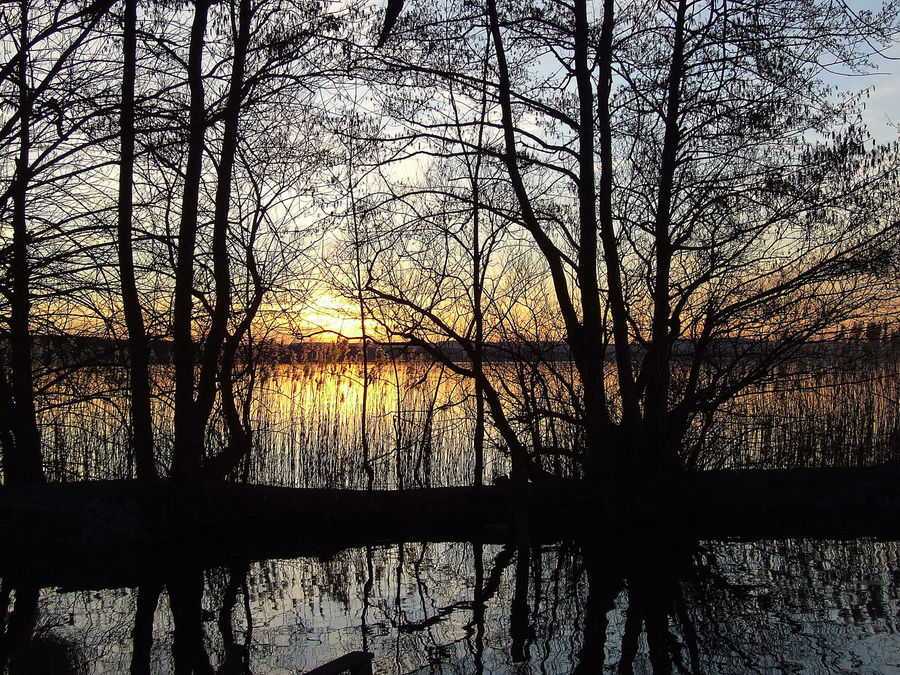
(640, 607)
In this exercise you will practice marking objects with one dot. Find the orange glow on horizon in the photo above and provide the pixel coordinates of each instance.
(330, 317)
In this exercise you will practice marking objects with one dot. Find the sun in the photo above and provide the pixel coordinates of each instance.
(330, 317)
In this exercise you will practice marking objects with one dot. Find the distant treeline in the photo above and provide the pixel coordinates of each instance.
(874, 340)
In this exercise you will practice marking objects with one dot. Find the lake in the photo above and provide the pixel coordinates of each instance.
(779, 606)
(642, 606)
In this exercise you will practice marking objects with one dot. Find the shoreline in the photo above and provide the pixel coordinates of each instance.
(121, 532)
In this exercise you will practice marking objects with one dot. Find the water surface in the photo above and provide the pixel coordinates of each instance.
(713, 607)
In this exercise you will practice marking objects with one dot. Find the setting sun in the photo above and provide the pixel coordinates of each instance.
(330, 317)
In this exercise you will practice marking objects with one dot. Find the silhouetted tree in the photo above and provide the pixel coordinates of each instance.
(138, 349)
(268, 68)
(702, 204)
(44, 119)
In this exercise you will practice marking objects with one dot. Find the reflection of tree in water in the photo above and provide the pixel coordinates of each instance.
(29, 647)
(747, 607)
(796, 604)
(635, 607)
(638, 583)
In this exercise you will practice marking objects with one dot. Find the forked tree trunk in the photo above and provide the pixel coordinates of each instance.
(239, 432)
(188, 449)
(209, 362)
(192, 415)
(664, 328)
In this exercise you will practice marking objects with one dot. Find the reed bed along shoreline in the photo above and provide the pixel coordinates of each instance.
(307, 423)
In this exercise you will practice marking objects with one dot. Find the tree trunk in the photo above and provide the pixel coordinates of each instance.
(589, 346)
(138, 352)
(188, 449)
(478, 315)
(239, 436)
(611, 258)
(209, 365)
(25, 465)
(360, 299)
(657, 363)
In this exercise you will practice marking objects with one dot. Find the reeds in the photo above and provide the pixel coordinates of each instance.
(307, 432)
(844, 417)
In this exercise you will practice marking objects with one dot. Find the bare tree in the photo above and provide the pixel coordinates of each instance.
(267, 68)
(39, 136)
(138, 349)
(703, 205)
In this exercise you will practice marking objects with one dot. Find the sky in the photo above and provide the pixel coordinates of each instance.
(882, 113)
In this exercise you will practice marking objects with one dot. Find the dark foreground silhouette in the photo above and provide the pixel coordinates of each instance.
(119, 533)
